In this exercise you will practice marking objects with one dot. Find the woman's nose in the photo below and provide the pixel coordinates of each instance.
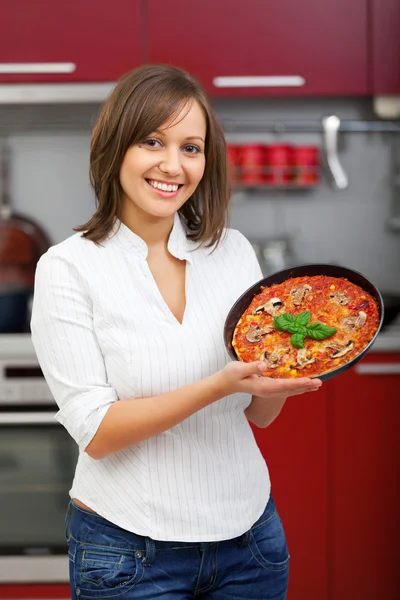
(171, 162)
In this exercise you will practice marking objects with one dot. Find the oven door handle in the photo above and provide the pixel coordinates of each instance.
(27, 418)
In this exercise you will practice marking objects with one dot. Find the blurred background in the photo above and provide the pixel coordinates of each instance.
(308, 94)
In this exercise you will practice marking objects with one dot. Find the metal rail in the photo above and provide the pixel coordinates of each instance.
(346, 126)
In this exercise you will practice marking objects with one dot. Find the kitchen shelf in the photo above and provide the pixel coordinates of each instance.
(284, 177)
(273, 187)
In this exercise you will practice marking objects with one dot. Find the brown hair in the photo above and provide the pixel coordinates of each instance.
(141, 102)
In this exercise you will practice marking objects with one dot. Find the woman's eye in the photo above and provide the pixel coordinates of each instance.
(151, 143)
(191, 149)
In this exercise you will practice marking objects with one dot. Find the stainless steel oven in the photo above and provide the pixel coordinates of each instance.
(37, 464)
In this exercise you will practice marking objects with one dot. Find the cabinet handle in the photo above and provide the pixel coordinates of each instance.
(264, 81)
(39, 68)
(378, 369)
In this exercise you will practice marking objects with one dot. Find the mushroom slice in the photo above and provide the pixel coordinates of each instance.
(302, 359)
(273, 307)
(340, 298)
(272, 359)
(255, 334)
(356, 322)
(299, 293)
(340, 349)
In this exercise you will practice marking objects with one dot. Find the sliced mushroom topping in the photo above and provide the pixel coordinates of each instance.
(273, 307)
(340, 298)
(255, 334)
(302, 359)
(340, 349)
(299, 293)
(272, 359)
(356, 322)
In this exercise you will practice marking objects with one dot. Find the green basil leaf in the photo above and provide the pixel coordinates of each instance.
(285, 322)
(297, 340)
(319, 331)
(304, 317)
(300, 329)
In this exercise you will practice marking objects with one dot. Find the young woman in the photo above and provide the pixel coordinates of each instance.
(171, 496)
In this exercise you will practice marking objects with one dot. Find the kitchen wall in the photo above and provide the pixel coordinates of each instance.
(50, 146)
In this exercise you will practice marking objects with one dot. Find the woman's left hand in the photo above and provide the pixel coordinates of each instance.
(266, 387)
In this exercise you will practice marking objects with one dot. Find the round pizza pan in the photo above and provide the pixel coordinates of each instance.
(355, 277)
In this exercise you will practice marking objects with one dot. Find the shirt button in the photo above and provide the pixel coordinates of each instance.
(78, 592)
(139, 554)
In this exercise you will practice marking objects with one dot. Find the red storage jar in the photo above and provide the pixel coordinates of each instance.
(234, 162)
(305, 160)
(252, 163)
(278, 160)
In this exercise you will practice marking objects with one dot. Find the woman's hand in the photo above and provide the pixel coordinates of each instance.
(245, 377)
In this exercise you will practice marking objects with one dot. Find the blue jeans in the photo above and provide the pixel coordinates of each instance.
(109, 562)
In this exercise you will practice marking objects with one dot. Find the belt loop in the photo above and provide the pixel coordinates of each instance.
(150, 552)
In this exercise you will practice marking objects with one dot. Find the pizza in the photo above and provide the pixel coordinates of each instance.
(306, 326)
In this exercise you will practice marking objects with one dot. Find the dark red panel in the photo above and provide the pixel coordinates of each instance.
(324, 42)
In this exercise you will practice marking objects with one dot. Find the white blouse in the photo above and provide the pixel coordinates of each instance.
(102, 331)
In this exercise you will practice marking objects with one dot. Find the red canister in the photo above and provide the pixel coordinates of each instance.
(252, 163)
(305, 161)
(234, 162)
(278, 160)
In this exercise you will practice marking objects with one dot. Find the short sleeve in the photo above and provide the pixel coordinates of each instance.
(67, 348)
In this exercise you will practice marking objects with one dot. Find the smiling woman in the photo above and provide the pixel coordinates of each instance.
(127, 323)
(158, 129)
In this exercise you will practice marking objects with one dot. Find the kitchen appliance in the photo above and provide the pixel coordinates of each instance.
(391, 302)
(331, 270)
(37, 464)
(22, 242)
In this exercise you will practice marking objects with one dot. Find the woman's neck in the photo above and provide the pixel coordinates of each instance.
(153, 231)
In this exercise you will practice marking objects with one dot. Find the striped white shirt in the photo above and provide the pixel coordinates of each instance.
(102, 332)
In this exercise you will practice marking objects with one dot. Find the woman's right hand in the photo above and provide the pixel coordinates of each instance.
(244, 377)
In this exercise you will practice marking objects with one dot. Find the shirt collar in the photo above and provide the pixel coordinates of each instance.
(178, 243)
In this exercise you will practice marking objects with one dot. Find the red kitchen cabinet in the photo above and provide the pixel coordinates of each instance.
(51, 591)
(322, 43)
(364, 467)
(295, 447)
(102, 39)
(385, 46)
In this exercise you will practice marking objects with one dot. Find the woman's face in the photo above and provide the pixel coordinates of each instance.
(160, 173)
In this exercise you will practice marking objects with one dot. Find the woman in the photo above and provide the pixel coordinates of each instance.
(171, 496)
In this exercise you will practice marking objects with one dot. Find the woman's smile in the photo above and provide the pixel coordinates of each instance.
(163, 188)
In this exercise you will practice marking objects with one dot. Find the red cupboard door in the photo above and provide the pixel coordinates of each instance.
(325, 43)
(102, 39)
(365, 523)
(385, 19)
(52, 591)
(295, 447)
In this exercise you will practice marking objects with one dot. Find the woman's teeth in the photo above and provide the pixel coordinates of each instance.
(163, 186)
